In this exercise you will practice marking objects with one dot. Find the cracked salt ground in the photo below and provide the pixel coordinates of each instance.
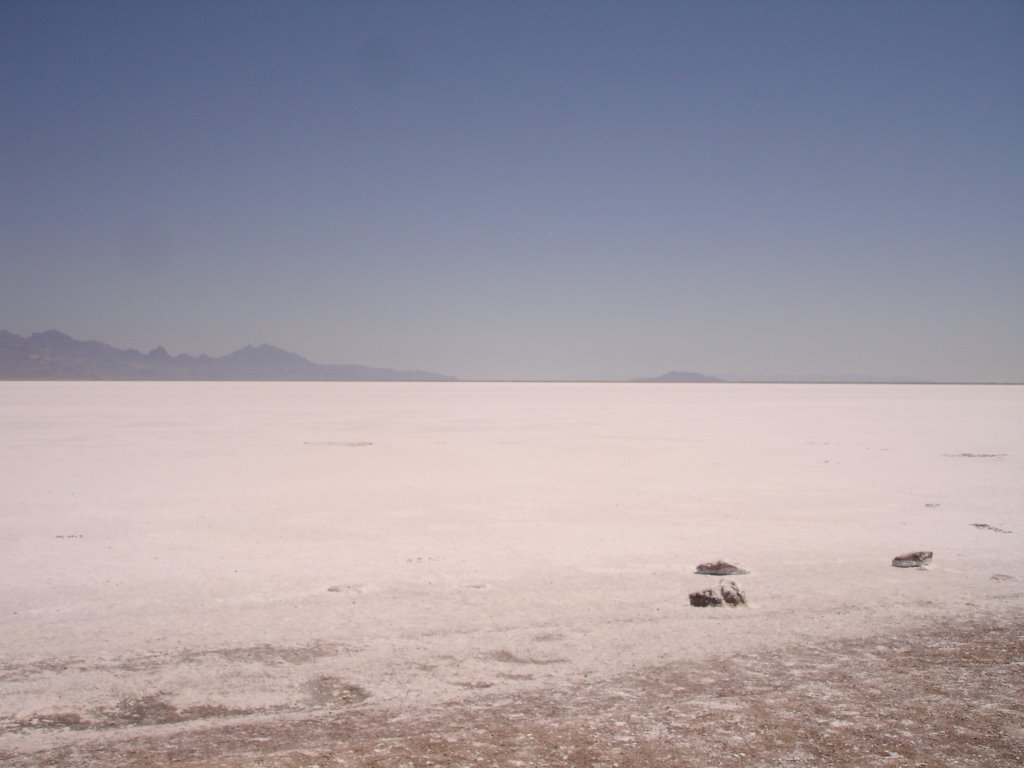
(202, 576)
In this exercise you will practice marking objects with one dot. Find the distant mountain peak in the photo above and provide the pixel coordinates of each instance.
(680, 377)
(263, 350)
(51, 335)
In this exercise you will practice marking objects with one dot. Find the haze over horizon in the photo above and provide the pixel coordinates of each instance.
(574, 190)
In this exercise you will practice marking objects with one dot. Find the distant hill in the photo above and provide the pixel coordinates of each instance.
(53, 355)
(680, 377)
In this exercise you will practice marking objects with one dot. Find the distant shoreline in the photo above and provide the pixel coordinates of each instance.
(533, 381)
(55, 356)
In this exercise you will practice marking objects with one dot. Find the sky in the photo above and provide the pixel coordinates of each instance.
(522, 190)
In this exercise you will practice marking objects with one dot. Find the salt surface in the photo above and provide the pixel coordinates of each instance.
(250, 546)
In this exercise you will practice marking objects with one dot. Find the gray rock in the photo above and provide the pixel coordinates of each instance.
(732, 594)
(912, 560)
(720, 568)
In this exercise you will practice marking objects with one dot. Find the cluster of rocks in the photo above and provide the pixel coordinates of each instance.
(729, 592)
(726, 593)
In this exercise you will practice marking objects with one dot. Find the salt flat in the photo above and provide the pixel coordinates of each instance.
(181, 556)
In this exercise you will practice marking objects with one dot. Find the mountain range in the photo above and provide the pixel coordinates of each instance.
(680, 377)
(54, 355)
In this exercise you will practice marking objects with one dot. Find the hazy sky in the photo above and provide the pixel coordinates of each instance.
(522, 189)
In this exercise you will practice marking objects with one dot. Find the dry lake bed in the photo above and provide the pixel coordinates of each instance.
(305, 574)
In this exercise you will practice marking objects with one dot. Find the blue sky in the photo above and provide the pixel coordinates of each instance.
(580, 190)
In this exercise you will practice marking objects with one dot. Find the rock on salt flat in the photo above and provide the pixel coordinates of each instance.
(727, 593)
(720, 568)
(912, 560)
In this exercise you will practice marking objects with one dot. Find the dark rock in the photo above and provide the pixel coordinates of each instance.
(720, 568)
(727, 593)
(912, 560)
(705, 598)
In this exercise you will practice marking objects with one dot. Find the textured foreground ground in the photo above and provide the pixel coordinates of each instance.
(299, 575)
(941, 696)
